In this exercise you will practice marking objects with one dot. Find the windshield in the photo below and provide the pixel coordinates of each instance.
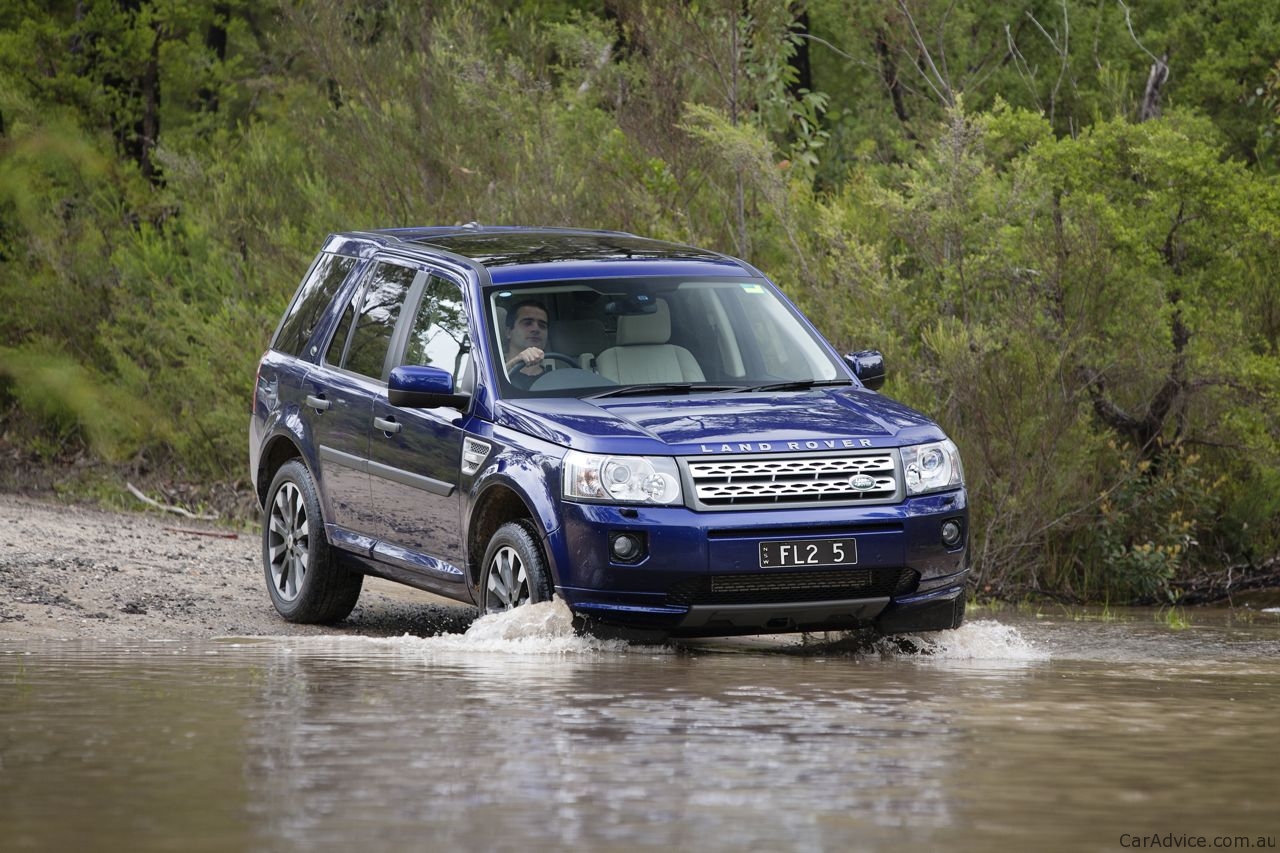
(678, 336)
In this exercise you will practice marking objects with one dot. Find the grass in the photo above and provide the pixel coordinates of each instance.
(1174, 618)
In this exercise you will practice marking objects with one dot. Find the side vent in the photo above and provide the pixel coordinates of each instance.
(474, 452)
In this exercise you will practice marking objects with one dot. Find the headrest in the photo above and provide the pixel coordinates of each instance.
(578, 336)
(652, 328)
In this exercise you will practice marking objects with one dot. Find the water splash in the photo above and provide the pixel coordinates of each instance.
(545, 628)
(985, 640)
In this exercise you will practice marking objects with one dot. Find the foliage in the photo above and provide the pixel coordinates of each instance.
(1148, 524)
(1075, 271)
(62, 407)
(893, 69)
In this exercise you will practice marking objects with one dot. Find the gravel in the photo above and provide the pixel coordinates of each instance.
(75, 572)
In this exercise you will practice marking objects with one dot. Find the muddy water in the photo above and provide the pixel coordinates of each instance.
(1017, 732)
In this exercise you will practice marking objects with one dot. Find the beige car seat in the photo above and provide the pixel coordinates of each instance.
(644, 355)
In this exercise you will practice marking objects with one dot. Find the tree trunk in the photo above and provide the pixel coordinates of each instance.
(1145, 430)
(1155, 85)
(150, 122)
(889, 74)
(216, 41)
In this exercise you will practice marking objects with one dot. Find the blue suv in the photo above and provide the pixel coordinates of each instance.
(650, 431)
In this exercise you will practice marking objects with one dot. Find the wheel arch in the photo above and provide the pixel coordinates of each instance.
(278, 451)
(496, 505)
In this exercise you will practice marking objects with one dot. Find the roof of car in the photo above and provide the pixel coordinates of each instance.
(514, 254)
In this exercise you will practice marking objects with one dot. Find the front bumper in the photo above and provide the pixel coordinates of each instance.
(701, 576)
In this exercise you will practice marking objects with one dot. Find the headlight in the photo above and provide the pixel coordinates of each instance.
(932, 467)
(621, 479)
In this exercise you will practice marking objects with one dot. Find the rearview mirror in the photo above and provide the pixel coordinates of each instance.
(637, 303)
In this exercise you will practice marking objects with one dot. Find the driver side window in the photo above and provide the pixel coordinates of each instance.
(439, 336)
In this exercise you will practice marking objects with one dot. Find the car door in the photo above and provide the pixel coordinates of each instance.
(341, 391)
(415, 455)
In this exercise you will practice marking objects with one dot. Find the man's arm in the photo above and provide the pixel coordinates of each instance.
(530, 356)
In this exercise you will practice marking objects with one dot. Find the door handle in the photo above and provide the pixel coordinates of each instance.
(318, 403)
(386, 425)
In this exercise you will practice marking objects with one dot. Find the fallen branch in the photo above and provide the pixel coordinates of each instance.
(179, 510)
(213, 533)
(1212, 587)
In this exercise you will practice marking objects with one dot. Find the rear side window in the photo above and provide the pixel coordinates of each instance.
(388, 284)
(339, 343)
(309, 304)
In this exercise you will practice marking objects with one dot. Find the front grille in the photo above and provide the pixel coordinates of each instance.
(786, 481)
(791, 587)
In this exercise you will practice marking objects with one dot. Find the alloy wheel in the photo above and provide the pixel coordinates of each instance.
(288, 541)
(508, 585)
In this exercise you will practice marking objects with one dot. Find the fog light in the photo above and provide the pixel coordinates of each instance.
(951, 533)
(626, 547)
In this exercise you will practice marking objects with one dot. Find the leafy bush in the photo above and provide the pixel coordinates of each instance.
(58, 406)
(1149, 523)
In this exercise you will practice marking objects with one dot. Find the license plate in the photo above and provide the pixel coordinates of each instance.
(808, 552)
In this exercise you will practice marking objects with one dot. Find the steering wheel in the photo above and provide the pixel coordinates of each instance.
(555, 356)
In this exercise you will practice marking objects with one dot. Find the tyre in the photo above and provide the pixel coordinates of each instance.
(515, 571)
(306, 577)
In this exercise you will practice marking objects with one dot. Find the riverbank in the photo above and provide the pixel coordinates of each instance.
(69, 571)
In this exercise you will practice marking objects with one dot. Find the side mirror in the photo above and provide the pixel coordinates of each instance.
(418, 386)
(868, 366)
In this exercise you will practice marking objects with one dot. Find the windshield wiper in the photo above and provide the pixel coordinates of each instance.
(661, 388)
(797, 385)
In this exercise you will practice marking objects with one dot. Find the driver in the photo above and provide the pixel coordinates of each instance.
(526, 341)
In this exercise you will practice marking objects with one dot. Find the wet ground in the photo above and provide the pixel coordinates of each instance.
(1062, 730)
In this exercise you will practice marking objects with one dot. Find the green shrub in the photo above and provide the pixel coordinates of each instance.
(58, 405)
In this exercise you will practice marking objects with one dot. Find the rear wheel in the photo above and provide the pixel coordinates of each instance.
(306, 577)
(515, 571)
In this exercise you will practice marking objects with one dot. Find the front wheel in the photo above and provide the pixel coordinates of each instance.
(305, 575)
(515, 571)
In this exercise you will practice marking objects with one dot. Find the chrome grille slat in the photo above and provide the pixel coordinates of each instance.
(793, 480)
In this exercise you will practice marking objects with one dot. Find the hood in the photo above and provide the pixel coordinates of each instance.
(842, 418)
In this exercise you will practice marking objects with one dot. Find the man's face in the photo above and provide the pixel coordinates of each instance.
(529, 329)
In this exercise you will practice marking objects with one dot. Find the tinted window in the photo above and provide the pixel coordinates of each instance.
(309, 303)
(334, 354)
(439, 333)
(384, 297)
